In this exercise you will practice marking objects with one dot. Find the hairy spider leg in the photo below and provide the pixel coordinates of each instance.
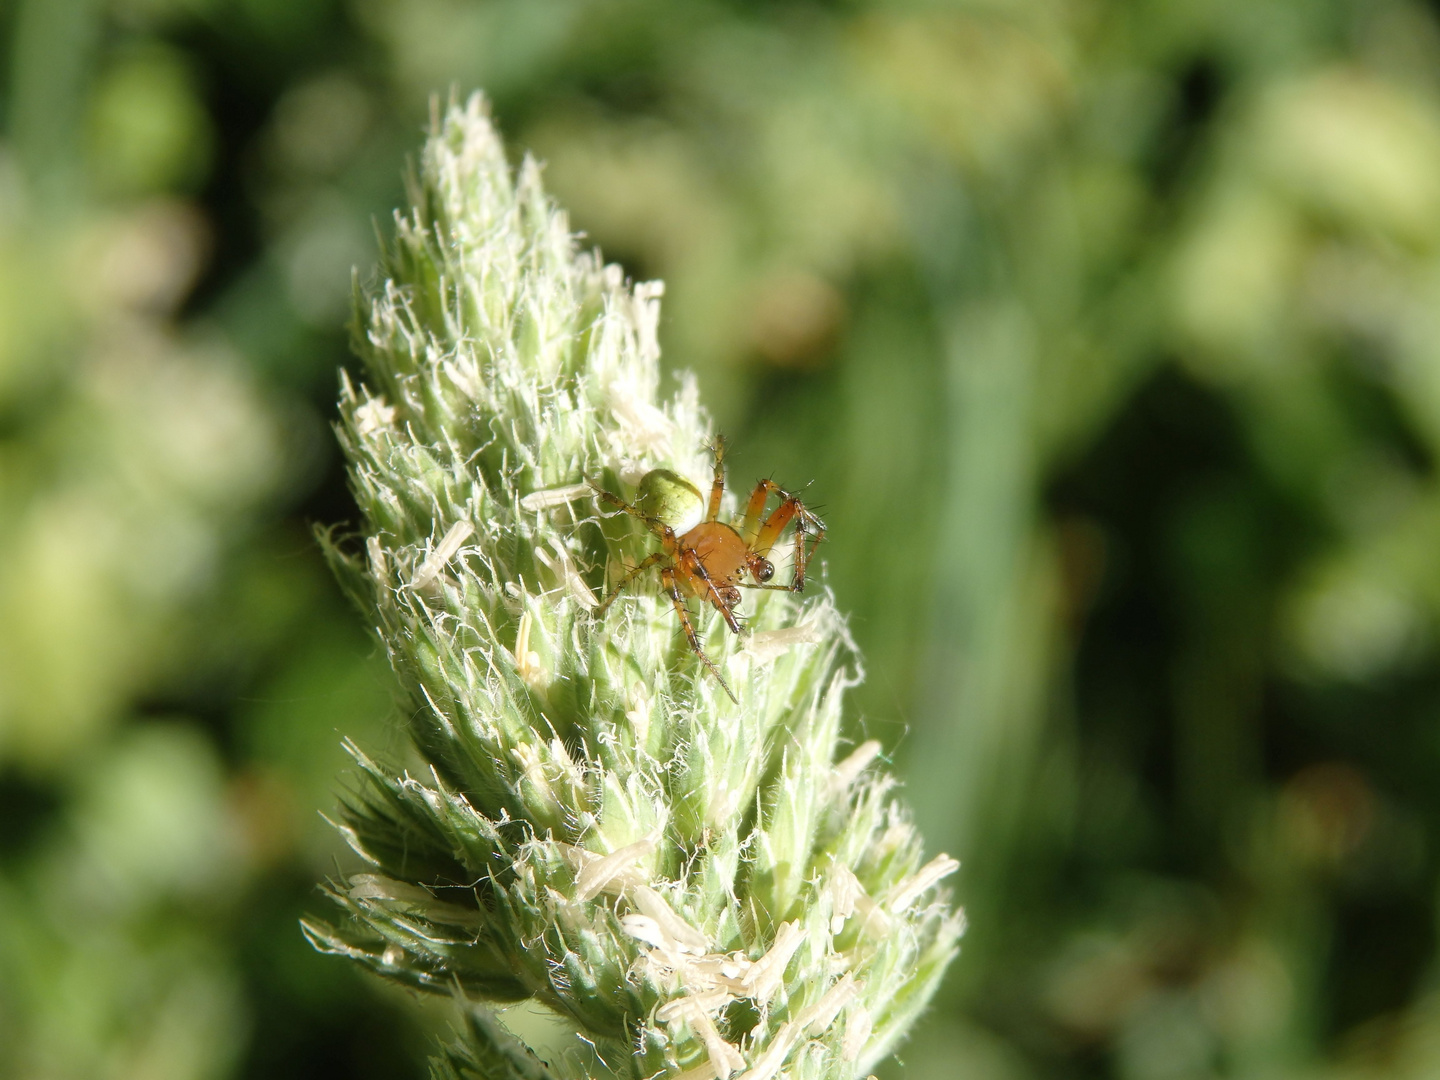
(663, 532)
(755, 510)
(672, 586)
(688, 561)
(717, 486)
(761, 538)
(630, 576)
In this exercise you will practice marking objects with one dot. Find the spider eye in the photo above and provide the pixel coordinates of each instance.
(763, 570)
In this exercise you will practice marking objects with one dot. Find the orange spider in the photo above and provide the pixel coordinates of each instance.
(711, 559)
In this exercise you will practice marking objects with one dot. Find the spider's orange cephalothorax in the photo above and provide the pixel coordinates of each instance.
(712, 559)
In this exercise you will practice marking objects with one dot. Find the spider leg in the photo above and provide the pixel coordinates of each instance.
(717, 486)
(631, 575)
(755, 508)
(667, 577)
(806, 524)
(810, 525)
(665, 534)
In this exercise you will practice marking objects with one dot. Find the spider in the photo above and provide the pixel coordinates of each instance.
(711, 559)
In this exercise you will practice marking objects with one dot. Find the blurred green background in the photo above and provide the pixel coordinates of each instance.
(1109, 333)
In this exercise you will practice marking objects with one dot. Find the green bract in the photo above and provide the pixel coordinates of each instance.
(693, 887)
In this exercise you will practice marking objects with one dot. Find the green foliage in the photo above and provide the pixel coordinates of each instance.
(1105, 331)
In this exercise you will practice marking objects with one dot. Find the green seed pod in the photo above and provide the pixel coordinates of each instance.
(669, 497)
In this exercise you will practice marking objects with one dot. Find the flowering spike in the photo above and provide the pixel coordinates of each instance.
(697, 887)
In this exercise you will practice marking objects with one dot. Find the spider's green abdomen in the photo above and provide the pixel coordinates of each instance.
(669, 498)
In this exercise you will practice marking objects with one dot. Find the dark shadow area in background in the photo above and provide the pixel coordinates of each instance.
(28, 806)
(1175, 460)
(1180, 144)
(245, 67)
(313, 1016)
(1179, 681)
(317, 1017)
